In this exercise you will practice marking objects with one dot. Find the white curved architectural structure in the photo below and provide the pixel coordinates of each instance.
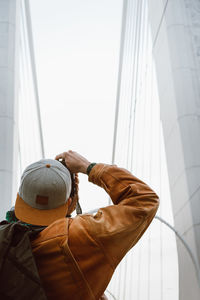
(176, 49)
(173, 50)
(157, 133)
(20, 124)
(150, 270)
(9, 43)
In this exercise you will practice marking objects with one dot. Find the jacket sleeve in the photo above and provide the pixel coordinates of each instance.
(118, 227)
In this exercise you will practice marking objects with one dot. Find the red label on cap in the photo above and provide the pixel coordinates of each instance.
(42, 200)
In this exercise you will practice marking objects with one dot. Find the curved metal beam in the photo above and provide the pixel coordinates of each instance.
(185, 244)
(113, 296)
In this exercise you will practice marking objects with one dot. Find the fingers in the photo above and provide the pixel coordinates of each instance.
(59, 156)
(74, 161)
(64, 155)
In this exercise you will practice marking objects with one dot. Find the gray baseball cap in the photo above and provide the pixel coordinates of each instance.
(44, 190)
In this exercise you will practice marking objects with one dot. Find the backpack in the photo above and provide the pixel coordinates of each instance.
(19, 277)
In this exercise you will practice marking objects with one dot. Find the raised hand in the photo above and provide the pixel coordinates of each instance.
(74, 161)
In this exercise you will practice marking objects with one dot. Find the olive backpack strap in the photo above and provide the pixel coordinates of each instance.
(19, 278)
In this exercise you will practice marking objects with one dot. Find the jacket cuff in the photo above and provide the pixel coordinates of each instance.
(96, 172)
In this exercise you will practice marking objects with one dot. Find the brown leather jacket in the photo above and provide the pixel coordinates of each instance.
(76, 257)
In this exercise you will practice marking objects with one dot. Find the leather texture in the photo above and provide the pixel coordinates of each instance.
(76, 257)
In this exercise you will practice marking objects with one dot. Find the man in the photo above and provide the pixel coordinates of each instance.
(76, 257)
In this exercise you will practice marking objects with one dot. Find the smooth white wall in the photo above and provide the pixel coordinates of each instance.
(8, 105)
(176, 34)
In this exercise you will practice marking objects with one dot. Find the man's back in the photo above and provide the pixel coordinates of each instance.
(60, 272)
(77, 257)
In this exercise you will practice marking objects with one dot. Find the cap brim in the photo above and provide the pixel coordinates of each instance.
(42, 217)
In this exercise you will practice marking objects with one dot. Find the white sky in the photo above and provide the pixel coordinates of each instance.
(77, 51)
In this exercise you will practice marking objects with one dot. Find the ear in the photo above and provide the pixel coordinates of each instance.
(69, 201)
(72, 204)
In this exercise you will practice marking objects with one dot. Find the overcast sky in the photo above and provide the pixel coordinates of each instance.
(77, 52)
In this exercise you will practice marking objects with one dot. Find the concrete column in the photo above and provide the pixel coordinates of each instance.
(8, 100)
(176, 36)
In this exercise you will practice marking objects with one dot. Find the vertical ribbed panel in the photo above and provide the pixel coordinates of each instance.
(30, 136)
(20, 126)
(150, 270)
(8, 100)
(176, 49)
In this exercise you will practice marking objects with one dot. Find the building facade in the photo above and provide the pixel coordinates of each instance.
(175, 29)
(157, 133)
(150, 270)
(20, 124)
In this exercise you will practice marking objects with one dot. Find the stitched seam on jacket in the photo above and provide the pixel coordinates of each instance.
(77, 269)
(100, 246)
(100, 171)
(143, 219)
(129, 185)
(36, 243)
(97, 241)
(117, 179)
(109, 258)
